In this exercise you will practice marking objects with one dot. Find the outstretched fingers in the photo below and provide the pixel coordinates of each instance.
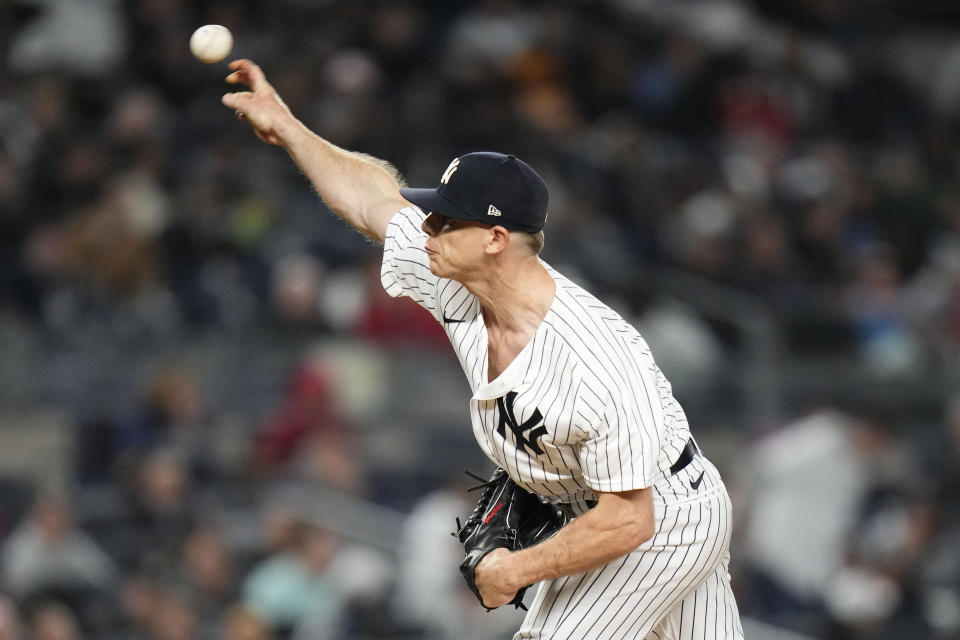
(249, 73)
(258, 105)
(236, 100)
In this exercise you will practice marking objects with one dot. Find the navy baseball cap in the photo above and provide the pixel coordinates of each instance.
(487, 187)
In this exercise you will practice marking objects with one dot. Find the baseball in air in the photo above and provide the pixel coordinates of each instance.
(211, 43)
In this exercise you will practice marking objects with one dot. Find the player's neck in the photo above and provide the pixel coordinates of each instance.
(515, 298)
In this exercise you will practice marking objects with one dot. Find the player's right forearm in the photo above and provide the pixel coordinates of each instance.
(358, 188)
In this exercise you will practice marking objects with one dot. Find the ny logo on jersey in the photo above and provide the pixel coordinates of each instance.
(507, 418)
(452, 169)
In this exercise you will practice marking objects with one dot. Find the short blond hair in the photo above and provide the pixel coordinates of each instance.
(533, 241)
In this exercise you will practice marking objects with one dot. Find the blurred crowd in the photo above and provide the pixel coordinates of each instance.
(802, 153)
(805, 154)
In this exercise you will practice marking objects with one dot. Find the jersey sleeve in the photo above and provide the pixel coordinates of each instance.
(405, 270)
(622, 444)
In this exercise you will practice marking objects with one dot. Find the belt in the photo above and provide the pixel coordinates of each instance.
(568, 511)
(685, 457)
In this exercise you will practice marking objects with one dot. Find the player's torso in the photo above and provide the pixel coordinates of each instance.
(534, 418)
(583, 400)
(524, 419)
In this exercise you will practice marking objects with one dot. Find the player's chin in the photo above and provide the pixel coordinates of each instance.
(435, 266)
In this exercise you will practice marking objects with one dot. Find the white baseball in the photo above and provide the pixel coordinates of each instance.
(211, 43)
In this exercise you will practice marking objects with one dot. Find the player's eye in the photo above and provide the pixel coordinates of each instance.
(438, 223)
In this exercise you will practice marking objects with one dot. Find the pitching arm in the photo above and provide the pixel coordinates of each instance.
(361, 189)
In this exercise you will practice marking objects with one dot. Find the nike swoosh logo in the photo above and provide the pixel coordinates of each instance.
(696, 483)
(447, 320)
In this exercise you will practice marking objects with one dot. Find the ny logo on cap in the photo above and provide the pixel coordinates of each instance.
(452, 169)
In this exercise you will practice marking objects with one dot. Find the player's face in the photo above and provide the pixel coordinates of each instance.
(454, 246)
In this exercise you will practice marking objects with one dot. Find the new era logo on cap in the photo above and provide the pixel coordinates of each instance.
(488, 185)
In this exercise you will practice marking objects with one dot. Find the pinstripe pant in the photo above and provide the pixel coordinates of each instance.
(675, 586)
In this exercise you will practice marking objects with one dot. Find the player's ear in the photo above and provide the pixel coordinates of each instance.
(498, 239)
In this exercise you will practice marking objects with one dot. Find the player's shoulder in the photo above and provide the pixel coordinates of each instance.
(408, 220)
(594, 333)
(582, 313)
(404, 238)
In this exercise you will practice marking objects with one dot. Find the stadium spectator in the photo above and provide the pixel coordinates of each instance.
(48, 556)
(292, 589)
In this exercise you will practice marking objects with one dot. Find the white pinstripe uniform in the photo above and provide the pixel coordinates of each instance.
(584, 408)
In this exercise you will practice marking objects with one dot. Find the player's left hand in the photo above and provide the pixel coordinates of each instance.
(495, 578)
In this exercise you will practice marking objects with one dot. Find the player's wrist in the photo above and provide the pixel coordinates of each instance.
(290, 132)
(523, 569)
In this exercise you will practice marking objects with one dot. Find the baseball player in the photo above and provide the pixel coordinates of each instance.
(565, 394)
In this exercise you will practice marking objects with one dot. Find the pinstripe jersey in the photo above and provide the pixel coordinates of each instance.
(584, 408)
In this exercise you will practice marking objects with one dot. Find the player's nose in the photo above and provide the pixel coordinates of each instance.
(431, 225)
(425, 226)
